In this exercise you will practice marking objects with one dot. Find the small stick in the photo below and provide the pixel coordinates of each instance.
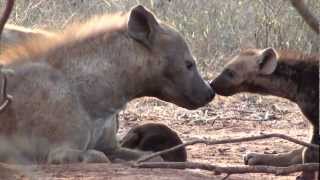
(226, 177)
(311, 167)
(307, 15)
(3, 19)
(7, 99)
(6, 13)
(224, 141)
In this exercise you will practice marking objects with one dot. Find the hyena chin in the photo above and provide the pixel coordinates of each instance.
(68, 88)
(286, 74)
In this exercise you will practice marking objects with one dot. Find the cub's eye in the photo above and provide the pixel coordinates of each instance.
(229, 73)
(189, 65)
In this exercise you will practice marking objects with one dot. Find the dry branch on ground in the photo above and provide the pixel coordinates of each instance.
(225, 141)
(6, 98)
(305, 13)
(232, 169)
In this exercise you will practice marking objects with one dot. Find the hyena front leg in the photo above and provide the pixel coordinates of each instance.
(5, 97)
(298, 156)
(64, 155)
(311, 155)
(280, 160)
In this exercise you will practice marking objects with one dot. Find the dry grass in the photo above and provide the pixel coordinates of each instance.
(215, 29)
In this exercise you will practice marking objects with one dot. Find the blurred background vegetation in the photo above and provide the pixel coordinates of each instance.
(215, 29)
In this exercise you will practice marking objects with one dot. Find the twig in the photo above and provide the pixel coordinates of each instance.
(311, 167)
(6, 13)
(5, 96)
(3, 19)
(224, 141)
(309, 17)
(226, 177)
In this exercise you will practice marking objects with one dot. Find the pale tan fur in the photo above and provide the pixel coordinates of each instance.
(13, 34)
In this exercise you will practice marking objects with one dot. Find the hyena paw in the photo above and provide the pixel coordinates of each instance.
(253, 159)
(93, 156)
(65, 156)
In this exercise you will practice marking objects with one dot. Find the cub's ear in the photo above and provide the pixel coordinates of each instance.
(142, 25)
(267, 61)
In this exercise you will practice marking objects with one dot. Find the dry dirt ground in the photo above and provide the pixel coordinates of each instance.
(237, 116)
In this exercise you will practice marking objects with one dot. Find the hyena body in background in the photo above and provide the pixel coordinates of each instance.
(13, 34)
(291, 75)
(68, 89)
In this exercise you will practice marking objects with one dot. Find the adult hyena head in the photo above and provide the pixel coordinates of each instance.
(241, 72)
(172, 69)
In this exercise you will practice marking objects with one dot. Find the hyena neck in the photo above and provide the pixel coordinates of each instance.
(292, 79)
(108, 72)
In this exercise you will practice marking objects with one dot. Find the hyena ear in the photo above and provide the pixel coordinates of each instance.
(267, 61)
(142, 25)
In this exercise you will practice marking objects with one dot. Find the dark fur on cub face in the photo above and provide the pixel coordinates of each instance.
(155, 137)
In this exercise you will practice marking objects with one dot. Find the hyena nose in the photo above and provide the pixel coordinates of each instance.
(211, 95)
(211, 85)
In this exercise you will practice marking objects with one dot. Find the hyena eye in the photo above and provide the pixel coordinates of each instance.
(189, 65)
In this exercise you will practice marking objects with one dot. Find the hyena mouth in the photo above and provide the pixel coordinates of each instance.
(222, 90)
(225, 92)
(191, 104)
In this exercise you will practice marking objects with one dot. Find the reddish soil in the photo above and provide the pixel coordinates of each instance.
(238, 116)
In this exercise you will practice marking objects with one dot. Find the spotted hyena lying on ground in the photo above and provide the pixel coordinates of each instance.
(67, 89)
(148, 137)
(290, 75)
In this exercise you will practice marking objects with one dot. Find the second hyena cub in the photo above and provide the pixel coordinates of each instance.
(290, 75)
(155, 137)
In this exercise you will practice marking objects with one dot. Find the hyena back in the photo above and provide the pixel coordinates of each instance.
(67, 89)
(13, 34)
(287, 74)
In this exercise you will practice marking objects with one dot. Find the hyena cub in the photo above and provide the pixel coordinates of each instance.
(155, 137)
(291, 75)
